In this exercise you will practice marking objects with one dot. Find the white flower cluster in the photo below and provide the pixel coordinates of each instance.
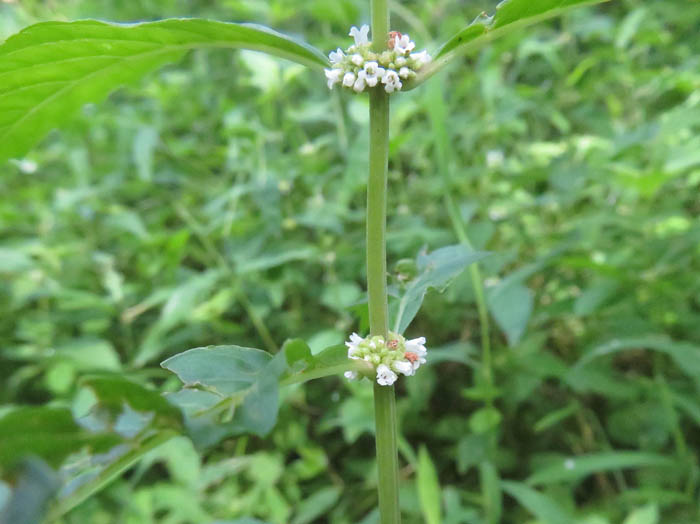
(359, 67)
(397, 355)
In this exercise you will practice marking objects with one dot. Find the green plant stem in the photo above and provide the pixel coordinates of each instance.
(384, 396)
(376, 213)
(387, 456)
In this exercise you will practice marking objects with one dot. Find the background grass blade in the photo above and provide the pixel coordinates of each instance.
(576, 468)
(49, 70)
(428, 488)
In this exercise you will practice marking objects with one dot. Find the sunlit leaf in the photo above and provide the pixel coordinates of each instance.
(49, 70)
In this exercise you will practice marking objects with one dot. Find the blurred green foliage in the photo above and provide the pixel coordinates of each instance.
(222, 201)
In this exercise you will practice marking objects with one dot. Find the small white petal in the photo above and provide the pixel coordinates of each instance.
(357, 59)
(336, 56)
(404, 72)
(355, 338)
(360, 35)
(403, 366)
(421, 58)
(385, 376)
(333, 76)
(416, 346)
(403, 44)
(350, 375)
(391, 81)
(400, 61)
(349, 79)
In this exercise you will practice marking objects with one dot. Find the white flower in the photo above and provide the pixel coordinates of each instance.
(400, 61)
(403, 44)
(417, 346)
(360, 35)
(385, 376)
(404, 366)
(357, 59)
(336, 56)
(350, 375)
(415, 352)
(353, 345)
(404, 72)
(359, 85)
(349, 79)
(333, 76)
(373, 73)
(421, 58)
(391, 81)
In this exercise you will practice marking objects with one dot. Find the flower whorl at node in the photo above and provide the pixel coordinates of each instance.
(388, 357)
(359, 67)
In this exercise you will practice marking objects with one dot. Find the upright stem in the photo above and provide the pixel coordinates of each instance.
(384, 398)
(376, 211)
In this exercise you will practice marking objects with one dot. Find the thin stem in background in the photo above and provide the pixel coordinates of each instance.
(438, 116)
(384, 396)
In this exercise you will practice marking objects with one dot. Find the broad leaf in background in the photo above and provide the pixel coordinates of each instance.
(49, 70)
(48, 433)
(510, 304)
(510, 16)
(435, 270)
(231, 388)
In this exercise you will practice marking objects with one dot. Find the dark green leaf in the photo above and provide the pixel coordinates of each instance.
(296, 350)
(511, 305)
(112, 393)
(242, 381)
(49, 433)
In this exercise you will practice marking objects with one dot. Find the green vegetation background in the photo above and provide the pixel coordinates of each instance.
(222, 201)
